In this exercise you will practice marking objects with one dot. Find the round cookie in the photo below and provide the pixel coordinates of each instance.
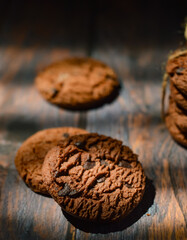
(30, 155)
(94, 177)
(173, 105)
(177, 69)
(178, 97)
(77, 83)
(180, 83)
(174, 130)
(179, 116)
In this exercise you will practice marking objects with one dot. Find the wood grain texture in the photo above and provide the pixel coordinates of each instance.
(133, 39)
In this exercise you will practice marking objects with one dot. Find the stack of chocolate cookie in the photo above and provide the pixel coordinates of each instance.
(176, 118)
(91, 176)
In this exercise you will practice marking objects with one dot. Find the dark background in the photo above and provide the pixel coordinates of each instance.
(134, 38)
(133, 24)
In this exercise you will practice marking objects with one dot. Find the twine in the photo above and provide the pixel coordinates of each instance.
(185, 31)
(164, 84)
(177, 54)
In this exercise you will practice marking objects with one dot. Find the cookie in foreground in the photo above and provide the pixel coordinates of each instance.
(78, 83)
(94, 177)
(30, 155)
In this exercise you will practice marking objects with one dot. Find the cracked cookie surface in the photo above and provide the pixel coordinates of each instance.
(178, 97)
(30, 155)
(177, 69)
(176, 122)
(77, 83)
(94, 177)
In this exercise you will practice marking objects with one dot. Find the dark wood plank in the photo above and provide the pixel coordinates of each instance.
(24, 214)
(135, 116)
(135, 41)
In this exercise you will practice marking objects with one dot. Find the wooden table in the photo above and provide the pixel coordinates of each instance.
(132, 38)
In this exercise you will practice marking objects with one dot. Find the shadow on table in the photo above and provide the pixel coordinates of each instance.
(133, 217)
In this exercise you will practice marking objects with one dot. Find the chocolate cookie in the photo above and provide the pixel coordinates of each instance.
(176, 124)
(178, 97)
(94, 177)
(177, 69)
(30, 156)
(178, 115)
(77, 83)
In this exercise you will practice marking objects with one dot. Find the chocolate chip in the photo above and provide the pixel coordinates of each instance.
(66, 135)
(179, 70)
(102, 179)
(88, 158)
(79, 145)
(73, 193)
(56, 174)
(103, 162)
(88, 165)
(110, 77)
(171, 74)
(65, 191)
(128, 185)
(54, 92)
(124, 164)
